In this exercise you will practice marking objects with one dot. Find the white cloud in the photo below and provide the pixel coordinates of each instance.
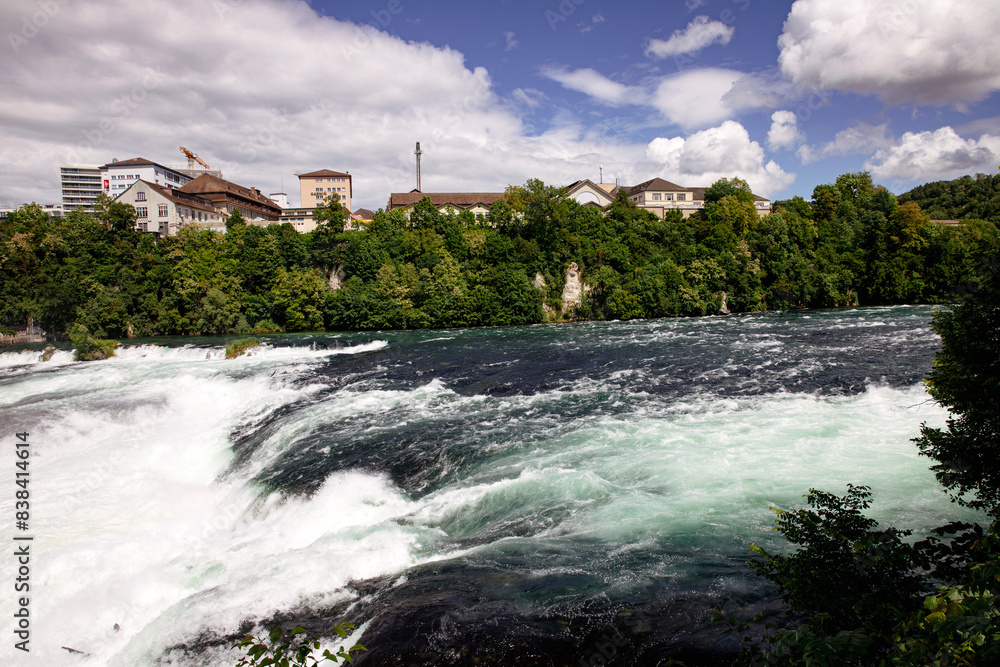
(857, 140)
(698, 34)
(595, 20)
(719, 152)
(704, 97)
(923, 51)
(937, 155)
(784, 131)
(511, 40)
(595, 84)
(264, 88)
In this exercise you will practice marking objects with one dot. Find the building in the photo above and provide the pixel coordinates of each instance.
(660, 196)
(363, 216)
(53, 210)
(81, 183)
(596, 194)
(478, 203)
(163, 211)
(227, 197)
(316, 186)
(302, 219)
(118, 175)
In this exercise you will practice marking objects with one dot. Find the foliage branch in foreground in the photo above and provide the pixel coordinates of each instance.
(294, 648)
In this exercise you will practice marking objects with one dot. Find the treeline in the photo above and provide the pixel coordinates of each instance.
(962, 199)
(853, 243)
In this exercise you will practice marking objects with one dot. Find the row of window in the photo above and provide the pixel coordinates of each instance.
(331, 180)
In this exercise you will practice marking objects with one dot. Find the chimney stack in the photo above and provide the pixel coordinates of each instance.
(418, 153)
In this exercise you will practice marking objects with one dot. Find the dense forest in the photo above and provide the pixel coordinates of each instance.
(962, 199)
(853, 243)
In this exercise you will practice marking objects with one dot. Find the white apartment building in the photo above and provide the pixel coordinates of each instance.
(118, 175)
(163, 211)
(81, 183)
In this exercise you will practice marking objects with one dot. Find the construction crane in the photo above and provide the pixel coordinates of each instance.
(192, 158)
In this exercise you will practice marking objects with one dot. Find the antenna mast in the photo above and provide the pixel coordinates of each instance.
(418, 153)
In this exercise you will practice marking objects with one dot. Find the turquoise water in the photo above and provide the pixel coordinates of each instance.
(463, 495)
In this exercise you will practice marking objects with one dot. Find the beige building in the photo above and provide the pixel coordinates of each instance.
(596, 194)
(660, 197)
(316, 186)
(478, 203)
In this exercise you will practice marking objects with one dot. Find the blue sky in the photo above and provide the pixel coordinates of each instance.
(784, 94)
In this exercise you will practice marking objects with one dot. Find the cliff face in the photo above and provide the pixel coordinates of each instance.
(573, 291)
(337, 278)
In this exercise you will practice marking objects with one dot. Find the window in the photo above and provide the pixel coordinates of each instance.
(656, 197)
(681, 197)
(140, 196)
(163, 210)
(670, 197)
(141, 212)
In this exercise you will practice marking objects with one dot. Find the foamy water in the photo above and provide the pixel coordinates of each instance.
(181, 495)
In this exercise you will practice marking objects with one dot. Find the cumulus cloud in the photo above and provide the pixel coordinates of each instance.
(698, 34)
(265, 88)
(593, 83)
(937, 155)
(784, 131)
(694, 99)
(927, 52)
(857, 140)
(719, 152)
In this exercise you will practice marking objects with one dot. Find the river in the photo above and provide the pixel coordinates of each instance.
(552, 494)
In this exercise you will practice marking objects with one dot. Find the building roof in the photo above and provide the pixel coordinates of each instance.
(439, 199)
(323, 172)
(207, 184)
(659, 185)
(183, 199)
(135, 162)
(608, 188)
(364, 214)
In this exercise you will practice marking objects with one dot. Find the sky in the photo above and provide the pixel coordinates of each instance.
(786, 95)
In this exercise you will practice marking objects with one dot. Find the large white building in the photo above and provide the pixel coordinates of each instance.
(163, 211)
(81, 183)
(118, 175)
(656, 195)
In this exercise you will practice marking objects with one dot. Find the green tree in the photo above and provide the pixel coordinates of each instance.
(966, 380)
(729, 187)
(235, 221)
(331, 214)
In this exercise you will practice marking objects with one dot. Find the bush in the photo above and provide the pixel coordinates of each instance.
(239, 347)
(89, 348)
(293, 649)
